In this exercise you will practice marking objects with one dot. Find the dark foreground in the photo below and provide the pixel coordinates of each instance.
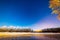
(35, 37)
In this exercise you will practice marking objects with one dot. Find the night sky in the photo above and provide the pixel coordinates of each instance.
(35, 14)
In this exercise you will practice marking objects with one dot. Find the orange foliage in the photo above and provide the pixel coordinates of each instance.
(55, 6)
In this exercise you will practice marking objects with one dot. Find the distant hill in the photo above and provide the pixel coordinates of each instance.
(15, 30)
(53, 30)
(48, 30)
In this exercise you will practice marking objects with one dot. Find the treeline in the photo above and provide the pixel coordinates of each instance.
(53, 30)
(48, 30)
(15, 30)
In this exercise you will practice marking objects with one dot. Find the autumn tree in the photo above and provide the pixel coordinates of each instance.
(55, 6)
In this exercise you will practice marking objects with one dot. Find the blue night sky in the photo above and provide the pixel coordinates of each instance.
(26, 13)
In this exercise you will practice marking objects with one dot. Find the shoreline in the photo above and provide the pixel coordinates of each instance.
(23, 34)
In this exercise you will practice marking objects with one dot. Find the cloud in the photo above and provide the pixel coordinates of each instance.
(14, 27)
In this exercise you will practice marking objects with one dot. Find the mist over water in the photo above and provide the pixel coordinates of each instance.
(40, 37)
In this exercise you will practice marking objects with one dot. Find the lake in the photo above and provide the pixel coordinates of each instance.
(34, 36)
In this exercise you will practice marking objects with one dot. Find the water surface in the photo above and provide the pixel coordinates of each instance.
(35, 37)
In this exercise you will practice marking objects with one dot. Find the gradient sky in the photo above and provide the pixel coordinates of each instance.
(28, 13)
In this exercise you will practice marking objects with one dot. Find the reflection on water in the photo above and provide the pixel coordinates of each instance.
(45, 37)
(20, 38)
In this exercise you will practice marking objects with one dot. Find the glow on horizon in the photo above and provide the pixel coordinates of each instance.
(33, 27)
(46, 22)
